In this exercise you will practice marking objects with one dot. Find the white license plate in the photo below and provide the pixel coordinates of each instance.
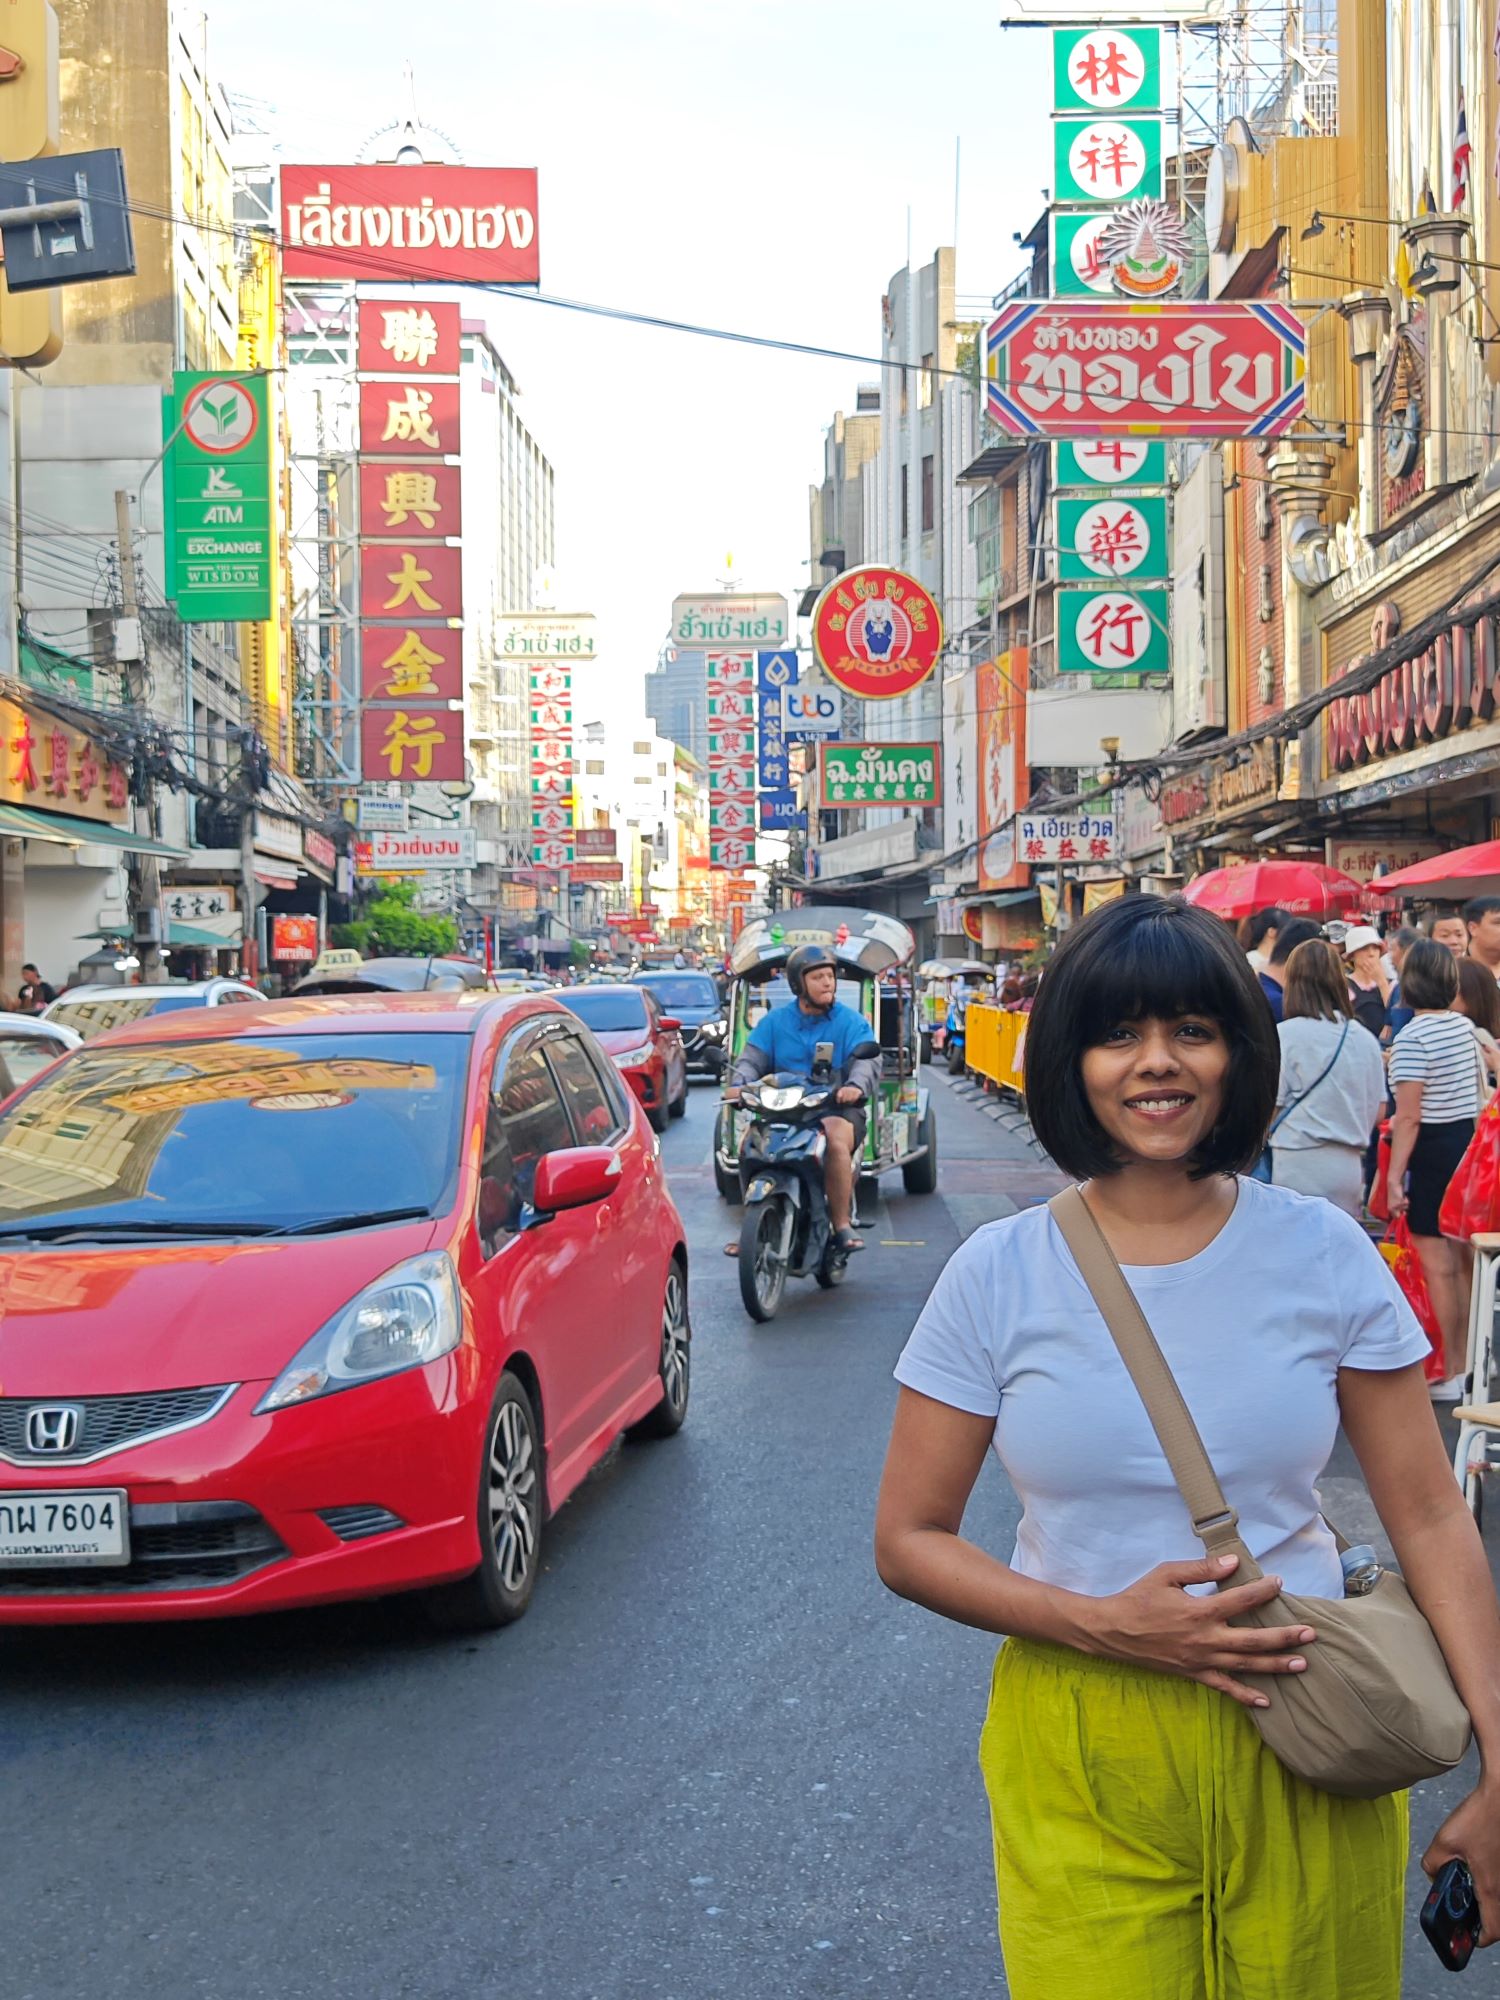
(64, 1530)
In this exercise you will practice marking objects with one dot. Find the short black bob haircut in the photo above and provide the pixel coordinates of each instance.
(1429, 976)
(1141, 958)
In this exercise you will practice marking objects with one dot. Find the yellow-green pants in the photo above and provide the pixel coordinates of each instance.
(1149, 1847)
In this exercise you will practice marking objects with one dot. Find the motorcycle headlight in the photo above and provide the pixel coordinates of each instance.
(410, 1316)
(784, 1099)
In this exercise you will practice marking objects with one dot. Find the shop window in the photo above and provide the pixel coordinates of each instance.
(929, 495)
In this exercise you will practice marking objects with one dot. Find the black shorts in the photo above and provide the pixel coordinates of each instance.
(1434, 1160)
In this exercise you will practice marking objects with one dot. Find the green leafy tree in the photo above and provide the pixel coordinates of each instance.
(390, 927)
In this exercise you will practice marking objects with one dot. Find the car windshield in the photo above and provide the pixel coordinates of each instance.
(606, 1009)
(269, 1134)
(681, 989)
(21, 1056)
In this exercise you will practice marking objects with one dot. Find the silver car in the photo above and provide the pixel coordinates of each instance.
(89, 1010)
(27, 1045)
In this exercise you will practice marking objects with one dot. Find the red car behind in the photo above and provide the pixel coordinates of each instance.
(322, 1299)
(645, 1043)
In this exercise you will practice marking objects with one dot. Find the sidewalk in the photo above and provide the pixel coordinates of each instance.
(989, 1163)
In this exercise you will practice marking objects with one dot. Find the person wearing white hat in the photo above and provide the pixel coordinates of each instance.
(1364, 955)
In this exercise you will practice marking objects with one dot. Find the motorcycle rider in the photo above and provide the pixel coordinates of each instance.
(783, 1042)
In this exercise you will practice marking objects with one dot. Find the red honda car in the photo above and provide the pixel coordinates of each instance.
(645, 1043)
(323, 1299)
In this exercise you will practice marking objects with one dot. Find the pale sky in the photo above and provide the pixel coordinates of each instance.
(740, 163)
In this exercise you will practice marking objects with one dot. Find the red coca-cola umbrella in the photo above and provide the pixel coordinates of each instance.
(1447, 878)
(1303, 888)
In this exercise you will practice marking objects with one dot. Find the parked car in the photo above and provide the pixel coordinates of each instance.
(394, 975)
(323, 1300)
(645, 1043)
(28, 1044)
(697, 1000)
(90, 1010)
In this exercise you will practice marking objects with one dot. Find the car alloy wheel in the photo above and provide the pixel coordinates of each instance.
(509, 1522)
(675, 1366)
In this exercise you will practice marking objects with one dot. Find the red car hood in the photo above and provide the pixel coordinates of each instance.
(178, 1316)
(622, 1041)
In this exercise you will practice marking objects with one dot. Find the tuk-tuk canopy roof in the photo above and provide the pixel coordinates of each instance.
(955, 968)
(864, 940)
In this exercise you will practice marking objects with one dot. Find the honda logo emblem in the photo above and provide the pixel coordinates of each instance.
(53, 1427)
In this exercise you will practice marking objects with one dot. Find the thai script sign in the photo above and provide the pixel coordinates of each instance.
(414, 853)
(1235, 787)
(1365, 860)
(461, 225)
(294, 939)
(598, 871)
(544, 636)
(598, 841)
(409, 336)
(410, 502)
(1454, 684)
(1113, 632)
(1090, 368)
(1106, 68)
(730, 618)
(1048, 837)
(1106, 159)
(374, 815)
(874, 774)
(876, 632)
(221, 545)
(1112, 539)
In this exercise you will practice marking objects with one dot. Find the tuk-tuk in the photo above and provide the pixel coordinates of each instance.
(874, 954)
(940, 980)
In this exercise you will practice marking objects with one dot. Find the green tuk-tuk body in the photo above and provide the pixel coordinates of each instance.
(874, 954)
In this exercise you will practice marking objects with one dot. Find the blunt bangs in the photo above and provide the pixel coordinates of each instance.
(1143, 958)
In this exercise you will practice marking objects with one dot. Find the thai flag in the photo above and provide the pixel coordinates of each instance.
(1461, 156)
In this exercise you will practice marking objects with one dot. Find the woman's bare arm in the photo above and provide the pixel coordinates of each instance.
(1404, 1128)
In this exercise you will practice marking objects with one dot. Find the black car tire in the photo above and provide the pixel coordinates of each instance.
(921, 1176)
(678, 1107)
(675, 1365)
(656, 1118)
(926, 1048)
(497, 1593)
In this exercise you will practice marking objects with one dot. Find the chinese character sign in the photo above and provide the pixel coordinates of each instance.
(1089, 368)
(415, 743)
(408, 419)
(1106, 69)
(1112, 538)
(731, 759)
(409, 336)
(1078, 269)
(775, 672)
(1046, 839)
(411, 502)
(411, 663)
(1004, 778)
(550, 685)
(44, 762)
(1094, 462)
(1113, 632)
(399, 581)
(1106, 159)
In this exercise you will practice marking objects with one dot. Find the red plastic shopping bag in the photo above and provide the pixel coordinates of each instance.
(1378, 1205)
(1401, 1254)
(1472, 1203)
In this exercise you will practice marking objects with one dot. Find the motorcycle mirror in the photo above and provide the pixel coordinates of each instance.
(865, 1052)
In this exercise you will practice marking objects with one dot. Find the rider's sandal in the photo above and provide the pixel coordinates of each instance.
(847, 1241)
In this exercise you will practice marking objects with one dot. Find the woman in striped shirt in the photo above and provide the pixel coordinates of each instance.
(1437, 1078)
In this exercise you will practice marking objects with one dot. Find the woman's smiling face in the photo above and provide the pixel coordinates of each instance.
(1157, 1086)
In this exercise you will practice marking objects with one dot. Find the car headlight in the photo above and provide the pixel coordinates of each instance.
(411, 1315)
(637, 1059)
(713, 1030)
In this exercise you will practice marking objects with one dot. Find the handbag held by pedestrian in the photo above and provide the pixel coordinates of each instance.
(1376, 1709)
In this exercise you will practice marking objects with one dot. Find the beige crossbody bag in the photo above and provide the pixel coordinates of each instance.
(1376, 1708)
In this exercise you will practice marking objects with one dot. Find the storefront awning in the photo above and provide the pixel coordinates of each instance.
(184, 937)
(20, 822)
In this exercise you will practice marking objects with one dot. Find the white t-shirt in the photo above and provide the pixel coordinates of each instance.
(1255, 1329)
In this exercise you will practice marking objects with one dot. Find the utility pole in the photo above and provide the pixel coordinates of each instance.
(145, 870)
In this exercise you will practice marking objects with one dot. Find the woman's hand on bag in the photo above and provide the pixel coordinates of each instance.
(1471, 1834)
(1396, 1203)
(1156, 1624)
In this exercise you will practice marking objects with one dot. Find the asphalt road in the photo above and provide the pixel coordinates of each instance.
(717, 1761)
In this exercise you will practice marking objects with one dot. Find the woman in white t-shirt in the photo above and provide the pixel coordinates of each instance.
(1332, 1086)
(1147, 1845)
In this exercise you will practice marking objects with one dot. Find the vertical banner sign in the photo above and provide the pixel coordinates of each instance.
(731, 760)
(774, 674)
(1110, 528)
(220, 547)
(410, 564)
(552, 799)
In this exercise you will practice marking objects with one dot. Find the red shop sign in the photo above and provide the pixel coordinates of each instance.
(410, 501)
(412, 744)
(408, 419)
(462, 225)
(1453, 684)
(294, 939)
(405, 663)
(876, 632)
(409, 336)
(1096, 368)
(403, 582)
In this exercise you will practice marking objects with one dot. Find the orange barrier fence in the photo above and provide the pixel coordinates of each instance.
(995, 1045)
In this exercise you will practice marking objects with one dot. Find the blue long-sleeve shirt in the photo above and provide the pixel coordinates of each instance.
(784, 1040)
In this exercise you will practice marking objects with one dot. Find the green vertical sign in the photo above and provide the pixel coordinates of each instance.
(220, 547)
(1107, 159)
(1104, 70)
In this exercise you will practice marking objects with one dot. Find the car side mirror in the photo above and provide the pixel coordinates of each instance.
(575, 1176)
(670, 1024)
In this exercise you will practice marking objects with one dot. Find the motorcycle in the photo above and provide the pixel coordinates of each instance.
(786, 1230)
